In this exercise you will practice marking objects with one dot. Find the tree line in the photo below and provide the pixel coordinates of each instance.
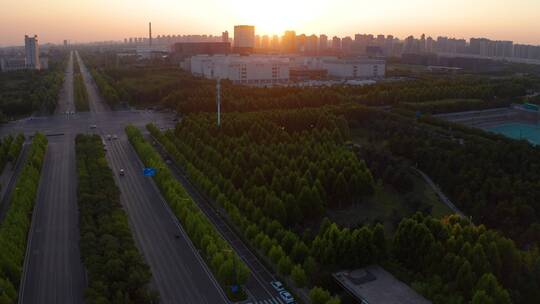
(10, 149)
(117, 272)
(79, 89)
(16, 223)
(224, 262)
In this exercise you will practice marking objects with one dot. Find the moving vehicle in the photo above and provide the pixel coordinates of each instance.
(286, 296)
(115, 136)
(277, 285)
(109, 136)
(122, 173)
(93, 126)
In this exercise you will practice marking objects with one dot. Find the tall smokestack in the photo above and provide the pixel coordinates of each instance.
(150, 33)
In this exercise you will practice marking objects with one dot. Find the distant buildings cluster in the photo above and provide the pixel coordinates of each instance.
(30, 60)
(290, 42)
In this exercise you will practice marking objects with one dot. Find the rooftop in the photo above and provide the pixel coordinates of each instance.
(373, 285)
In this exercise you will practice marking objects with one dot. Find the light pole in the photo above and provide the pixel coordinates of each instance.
(218, 101)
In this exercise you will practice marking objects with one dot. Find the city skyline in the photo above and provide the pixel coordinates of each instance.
(53, 22)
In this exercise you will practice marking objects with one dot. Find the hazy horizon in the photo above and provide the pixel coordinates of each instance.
(100, 20)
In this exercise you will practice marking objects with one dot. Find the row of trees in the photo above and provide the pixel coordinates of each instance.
(16, 224)
(109, 93)
(117, 272)
(226, 265)
(79, 89)
(10, 148)
(454, 105)
(286, 251)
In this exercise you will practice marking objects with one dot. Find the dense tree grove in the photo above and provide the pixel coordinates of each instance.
(10, 148)
(492, 178)
(299, 162)
(170, 87)
(23, 92)
(449, 261)
(117, 272)
(226, 265)
(79, 89)
(16, 223)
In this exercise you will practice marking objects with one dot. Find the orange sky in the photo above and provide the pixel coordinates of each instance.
(92, 20)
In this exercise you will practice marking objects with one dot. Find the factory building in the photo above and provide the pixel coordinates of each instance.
(354, 68)
(249, 70)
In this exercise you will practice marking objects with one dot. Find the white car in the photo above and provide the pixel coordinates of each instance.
(122, 173)
(115, 136)
(93, 126)
(277, 285)
(109, 136)
(286, 296)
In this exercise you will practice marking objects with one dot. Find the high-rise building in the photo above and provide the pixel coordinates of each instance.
(288, 42)
(265, 42)
(31, 47)
(257, 41)
(66, 43)
(312, 44)
(225, 36)
(346, 45)
(244, 38)
(323, 43)
(336, 43)
(274, 45)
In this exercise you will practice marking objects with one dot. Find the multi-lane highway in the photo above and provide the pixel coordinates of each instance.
(258, 286)
(178, 272)
(53, 272)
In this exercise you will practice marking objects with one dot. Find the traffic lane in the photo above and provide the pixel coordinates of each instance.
(177, 273)
(65, 102)
(95, 101)
(53, 272)
(258, 284)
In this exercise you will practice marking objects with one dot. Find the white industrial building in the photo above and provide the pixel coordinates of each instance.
(355, 68)
(276, 69)
(250, 70)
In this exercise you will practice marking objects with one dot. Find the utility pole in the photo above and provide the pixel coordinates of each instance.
(218, 101)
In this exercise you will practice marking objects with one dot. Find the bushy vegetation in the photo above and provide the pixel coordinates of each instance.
(16, 224)
(492, 178)
(10, 148)
(108, 92)
(449, 261)
(226, 265)
(23, 92)
(79, 89)
(117, 272)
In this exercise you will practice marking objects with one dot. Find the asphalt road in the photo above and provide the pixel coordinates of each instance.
(53, 272)
(178, 272)
(258, 286)
(66, 102)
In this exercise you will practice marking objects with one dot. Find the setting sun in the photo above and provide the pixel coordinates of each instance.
(277, 16)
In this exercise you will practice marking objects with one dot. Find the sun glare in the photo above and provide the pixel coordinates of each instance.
(274, 17)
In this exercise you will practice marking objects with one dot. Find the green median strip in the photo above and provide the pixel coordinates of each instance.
(117, 272)
(226, 265)
(15, 226)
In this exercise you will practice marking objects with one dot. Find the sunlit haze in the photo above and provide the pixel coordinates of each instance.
(97, 20)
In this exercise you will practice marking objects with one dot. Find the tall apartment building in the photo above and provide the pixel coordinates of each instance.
(244, 38)
(31, 47)
(323, 43)
(288, 42)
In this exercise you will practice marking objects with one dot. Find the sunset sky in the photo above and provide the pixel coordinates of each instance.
(93, 20)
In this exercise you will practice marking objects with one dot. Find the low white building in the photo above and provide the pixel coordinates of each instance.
(355, 68)
(250, 70)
